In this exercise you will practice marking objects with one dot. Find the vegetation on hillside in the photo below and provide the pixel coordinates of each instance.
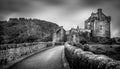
(26, 30)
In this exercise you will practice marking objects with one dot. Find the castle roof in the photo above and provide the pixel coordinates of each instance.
(98, 16)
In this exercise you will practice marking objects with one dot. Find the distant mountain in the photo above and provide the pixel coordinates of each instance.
(26, 30)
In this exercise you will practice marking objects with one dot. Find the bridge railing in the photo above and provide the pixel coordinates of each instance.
(10, 52)
(79, 59)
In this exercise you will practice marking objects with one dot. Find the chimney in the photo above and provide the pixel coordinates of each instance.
(99, 14)
(99, 10)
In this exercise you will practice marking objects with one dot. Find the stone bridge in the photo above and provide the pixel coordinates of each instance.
(43, 55)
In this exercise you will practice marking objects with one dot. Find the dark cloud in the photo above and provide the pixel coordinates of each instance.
(2, 17)
(53, 2)
(13, 5)
(95, 2)
(114, 3)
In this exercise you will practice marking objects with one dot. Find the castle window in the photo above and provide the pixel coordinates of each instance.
(100, 27)
(88, 23)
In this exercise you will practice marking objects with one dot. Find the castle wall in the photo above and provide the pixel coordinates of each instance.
(101, 28)
(89, 25)
(59, 35)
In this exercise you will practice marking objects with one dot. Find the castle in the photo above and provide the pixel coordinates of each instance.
(97, 28)
(99, 24)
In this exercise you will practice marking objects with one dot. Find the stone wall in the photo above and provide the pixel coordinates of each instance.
(59, 35)
(101, 28)
(113, 51)
(10, 52)
(79, 59)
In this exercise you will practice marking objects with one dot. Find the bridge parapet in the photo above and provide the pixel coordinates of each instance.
(113, 51)
(79, 59)
(9, 46)
(10, 52)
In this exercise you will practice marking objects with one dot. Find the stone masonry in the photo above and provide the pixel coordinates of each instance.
(99, 24)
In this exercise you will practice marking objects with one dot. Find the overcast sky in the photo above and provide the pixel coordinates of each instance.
(67, 13)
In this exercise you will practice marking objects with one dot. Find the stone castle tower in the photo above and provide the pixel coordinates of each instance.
(59, 35)
(99, 24)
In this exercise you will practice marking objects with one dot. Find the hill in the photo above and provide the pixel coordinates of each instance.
(21, 30)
